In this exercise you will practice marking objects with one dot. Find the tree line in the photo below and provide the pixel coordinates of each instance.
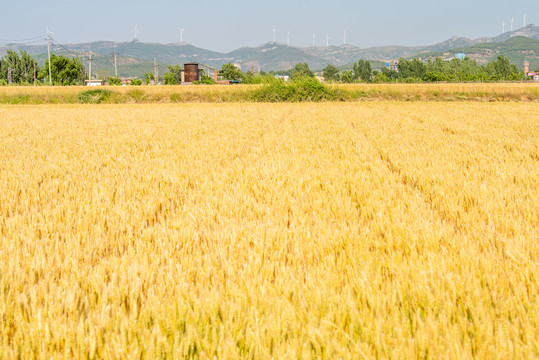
(408, 71)
(22, 69)
(432, 70)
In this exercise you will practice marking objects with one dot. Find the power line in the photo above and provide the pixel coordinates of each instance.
(70, 52)
(40, 37)
(6, 43)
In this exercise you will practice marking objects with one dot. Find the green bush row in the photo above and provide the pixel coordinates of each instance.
(303, 90)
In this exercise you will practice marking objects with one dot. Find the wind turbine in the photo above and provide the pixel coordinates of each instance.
(274, 34)
(136, 30)
(314, 39)
(288, 39)
(503, 26)
(512, 20)
(327, 40)
(181, 35)
(344, 42)
(525, 16)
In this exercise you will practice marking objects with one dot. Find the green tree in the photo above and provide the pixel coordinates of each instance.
(301, 70)
(331, 73)
(64, 71)
(115, 80)
(380, 78)
(148, 77)
(231, 72)
(390, 74)
(205, 79)
(411, 69)
(174, 75)
(348, 76)
(363, 70)
(502, 69)
(19, 69)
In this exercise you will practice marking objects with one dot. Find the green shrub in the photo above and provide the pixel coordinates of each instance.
(175, 98)
(303, 89)
(17, 99)
(95, 96)
(380, 78)
(136, 82)
(205, 80)
(115, 80)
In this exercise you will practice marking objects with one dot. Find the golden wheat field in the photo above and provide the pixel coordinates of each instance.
(375, 230)
(491, 92)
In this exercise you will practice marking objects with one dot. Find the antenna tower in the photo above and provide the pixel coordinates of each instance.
(314, 39)
(274, 34)
(327, 40)
(525, 16)
(344, 42)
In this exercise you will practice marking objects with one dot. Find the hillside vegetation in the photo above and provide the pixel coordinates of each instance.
(517, 49)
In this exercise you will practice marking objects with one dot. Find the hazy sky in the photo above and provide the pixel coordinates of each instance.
(227, 25)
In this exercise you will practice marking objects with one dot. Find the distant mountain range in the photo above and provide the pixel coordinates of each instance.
(136, 57)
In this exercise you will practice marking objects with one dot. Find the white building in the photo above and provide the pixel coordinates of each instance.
(93, 82)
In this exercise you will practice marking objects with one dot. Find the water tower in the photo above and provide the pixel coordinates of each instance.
(191, 72)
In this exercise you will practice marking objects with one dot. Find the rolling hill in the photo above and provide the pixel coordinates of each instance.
(517, 49)
(136, 58)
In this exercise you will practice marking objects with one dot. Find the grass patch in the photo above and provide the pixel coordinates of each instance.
(176, 98)
(96, 96)
(137, 95)
(17, 99)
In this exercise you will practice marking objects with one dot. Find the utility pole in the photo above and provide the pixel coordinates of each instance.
(155, 70)
(90, 66)
(9, 75)
(49, 54)
(115, 53)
